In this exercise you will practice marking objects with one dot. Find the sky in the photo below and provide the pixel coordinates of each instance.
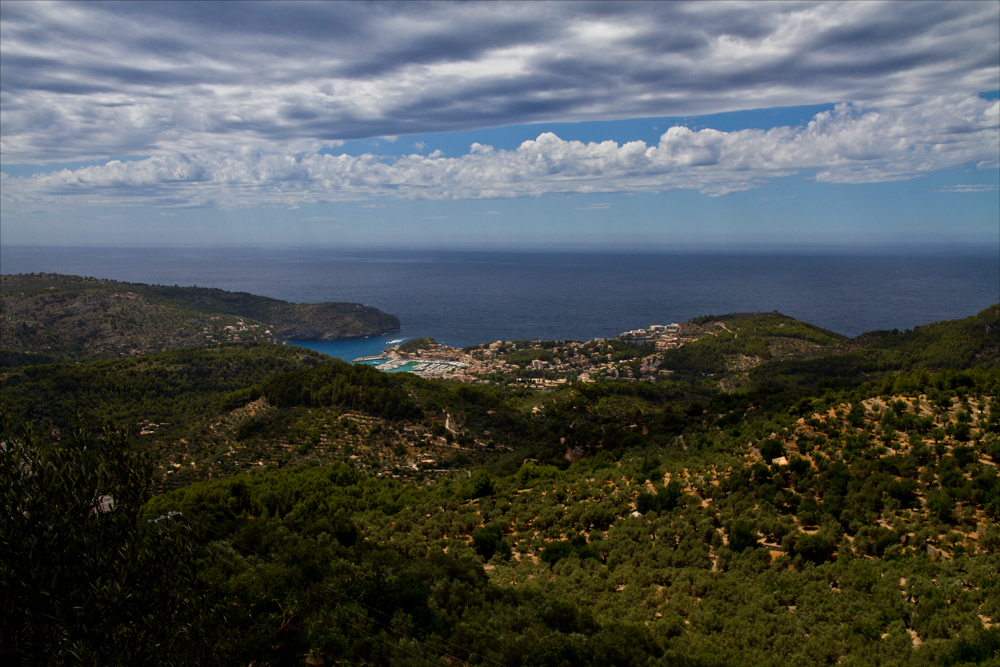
(500, 125)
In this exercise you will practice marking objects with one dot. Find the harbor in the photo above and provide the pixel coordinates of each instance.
(422, 367)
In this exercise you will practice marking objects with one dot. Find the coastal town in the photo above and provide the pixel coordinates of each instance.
(632, 356)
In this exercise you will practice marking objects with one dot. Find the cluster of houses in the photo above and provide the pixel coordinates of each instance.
(657, 335)
(569, 357)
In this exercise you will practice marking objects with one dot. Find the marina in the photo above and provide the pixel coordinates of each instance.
(423, 368)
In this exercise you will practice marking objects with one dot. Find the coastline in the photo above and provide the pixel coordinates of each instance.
(468, 298)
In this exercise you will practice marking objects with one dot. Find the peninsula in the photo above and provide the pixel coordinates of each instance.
(48, 317)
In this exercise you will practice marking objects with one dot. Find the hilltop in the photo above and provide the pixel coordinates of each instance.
(733, 352)
(52, 317)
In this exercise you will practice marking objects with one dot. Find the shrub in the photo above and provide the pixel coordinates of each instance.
(488, 541)
(772, 449)
(742, 536)
(814, 548)
(578, 546)
(481, 485)
(664, 501)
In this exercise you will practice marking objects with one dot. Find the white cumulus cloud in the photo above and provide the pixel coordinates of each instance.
(850, 144)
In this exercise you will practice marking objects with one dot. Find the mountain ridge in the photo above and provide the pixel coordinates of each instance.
(53, 317)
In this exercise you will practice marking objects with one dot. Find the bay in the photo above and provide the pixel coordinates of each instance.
(464, 297)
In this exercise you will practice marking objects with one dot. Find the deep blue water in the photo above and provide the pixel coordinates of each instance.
(461, 298)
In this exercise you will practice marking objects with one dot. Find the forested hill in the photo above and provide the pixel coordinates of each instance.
(52, 317)
(781, 496)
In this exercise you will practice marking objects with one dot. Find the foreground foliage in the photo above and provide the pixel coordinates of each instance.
(794, 519)
(83, 580)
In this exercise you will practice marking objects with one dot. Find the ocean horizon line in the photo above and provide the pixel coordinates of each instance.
(742, 249)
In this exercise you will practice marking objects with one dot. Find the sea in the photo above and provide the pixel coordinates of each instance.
(464, 298)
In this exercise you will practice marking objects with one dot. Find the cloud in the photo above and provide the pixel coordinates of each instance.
(850, 144)
(594, 207)
(89, 80)
(976, 187)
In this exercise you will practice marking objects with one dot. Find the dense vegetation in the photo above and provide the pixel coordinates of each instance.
(83, 578)
(740, 341)
(170, 388)
(417, 344)
(838, 509)
(51, 317)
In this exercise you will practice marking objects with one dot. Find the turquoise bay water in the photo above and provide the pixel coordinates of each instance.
(349, 349)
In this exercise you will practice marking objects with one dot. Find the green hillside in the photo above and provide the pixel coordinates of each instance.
(51, 317)
(785, 496)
